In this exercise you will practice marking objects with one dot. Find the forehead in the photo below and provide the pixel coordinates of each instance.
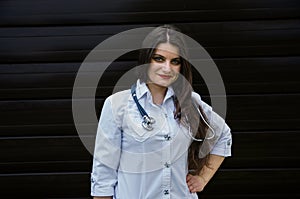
(167, 49)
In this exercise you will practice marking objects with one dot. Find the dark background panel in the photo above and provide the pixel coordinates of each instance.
(226, 39)
(259, 111)
(271, 75)
(74, 185)
(66, 153)
(255, 45)
(18, 13)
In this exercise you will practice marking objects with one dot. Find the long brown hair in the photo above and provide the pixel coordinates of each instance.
(184, 109)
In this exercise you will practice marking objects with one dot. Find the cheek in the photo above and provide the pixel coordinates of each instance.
(153, 67)
(150, 71)
(177, 69)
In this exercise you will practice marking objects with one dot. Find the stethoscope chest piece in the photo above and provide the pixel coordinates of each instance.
(147, 122)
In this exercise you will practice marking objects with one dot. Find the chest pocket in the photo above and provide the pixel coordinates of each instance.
(132, 123)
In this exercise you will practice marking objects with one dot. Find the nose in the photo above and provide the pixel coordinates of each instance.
(166, 66)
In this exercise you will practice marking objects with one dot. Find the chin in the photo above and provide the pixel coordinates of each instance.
(165, 84)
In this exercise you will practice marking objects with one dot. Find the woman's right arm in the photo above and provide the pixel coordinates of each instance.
(106, 154)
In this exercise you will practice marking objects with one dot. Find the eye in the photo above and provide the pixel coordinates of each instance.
(176, 61)
(158, 58)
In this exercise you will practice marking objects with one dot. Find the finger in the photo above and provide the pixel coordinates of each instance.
(188, 177)
(191, 185)
(191, 188)
(194, 185)
(191, 181)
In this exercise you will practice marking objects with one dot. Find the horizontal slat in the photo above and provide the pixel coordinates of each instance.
(207, 34)
(231, 88)
(42, 149)
(149, 17)
(34, 16)
(46, 166)
(228, 183)
(238, 70)
(215, 52)
(93, 6)
(44, 130)
(44, 185)
(225, 39)
(200, 28)
(234, 162)
(244, 112)
(43, 154)
(240, 75)
(263, 107)
(255, 182)
(274, 149)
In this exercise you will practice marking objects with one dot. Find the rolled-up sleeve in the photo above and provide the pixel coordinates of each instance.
(106, 153)
(223, 144)
(222, 140)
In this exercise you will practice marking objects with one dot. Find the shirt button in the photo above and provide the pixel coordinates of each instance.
(167, 165)
(166, 191)
(228, 142)
(167, 137)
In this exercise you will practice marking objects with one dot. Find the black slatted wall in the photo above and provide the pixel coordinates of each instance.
(254, 43)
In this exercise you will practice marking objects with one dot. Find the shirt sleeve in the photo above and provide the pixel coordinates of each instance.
(106, 153)
(221, 143)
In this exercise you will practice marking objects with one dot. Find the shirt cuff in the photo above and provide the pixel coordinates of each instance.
(223, 150)
(101, 190)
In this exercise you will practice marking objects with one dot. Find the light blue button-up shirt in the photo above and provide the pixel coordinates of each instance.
(131, 162)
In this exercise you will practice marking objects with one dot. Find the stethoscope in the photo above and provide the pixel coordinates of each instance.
(149, 121)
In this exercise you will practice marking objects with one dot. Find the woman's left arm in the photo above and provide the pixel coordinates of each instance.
(219, 148)
(196, 183)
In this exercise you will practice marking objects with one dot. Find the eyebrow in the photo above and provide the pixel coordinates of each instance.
(164, 56)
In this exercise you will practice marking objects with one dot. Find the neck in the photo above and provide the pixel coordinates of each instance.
(158, 93)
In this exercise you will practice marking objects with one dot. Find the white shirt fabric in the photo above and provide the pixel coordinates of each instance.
(132, 162)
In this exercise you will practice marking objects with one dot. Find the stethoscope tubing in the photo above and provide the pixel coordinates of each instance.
(148, 121)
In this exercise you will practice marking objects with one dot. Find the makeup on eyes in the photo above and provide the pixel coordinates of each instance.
(159, 58)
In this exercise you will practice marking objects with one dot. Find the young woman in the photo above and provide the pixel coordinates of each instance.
(158, 139)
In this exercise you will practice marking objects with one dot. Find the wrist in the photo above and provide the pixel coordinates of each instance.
(203, 179)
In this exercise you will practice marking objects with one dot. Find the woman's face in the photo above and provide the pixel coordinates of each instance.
(165, 65)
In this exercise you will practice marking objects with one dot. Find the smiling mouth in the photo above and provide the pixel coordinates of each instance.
(165, 76)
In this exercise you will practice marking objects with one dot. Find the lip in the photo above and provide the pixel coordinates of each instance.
(165, 76)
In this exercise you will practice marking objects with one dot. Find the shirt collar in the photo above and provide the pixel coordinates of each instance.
(142, 89)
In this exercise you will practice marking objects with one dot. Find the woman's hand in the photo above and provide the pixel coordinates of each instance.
(196, 183)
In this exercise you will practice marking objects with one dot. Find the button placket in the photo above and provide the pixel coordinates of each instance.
(166, 192)
(167, 165)
(167, 137)
(166, 157)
